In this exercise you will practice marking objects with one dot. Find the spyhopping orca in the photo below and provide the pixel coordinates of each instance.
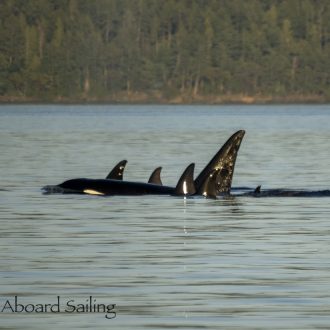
(214, 179)
(224, 163)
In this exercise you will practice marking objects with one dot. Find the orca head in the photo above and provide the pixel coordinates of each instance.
(208, 188)
(224, 161)
(52, 189)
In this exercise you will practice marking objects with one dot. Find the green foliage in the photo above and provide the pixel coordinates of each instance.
(93, 50)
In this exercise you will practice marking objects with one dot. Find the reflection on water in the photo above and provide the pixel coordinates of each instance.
(166, 262)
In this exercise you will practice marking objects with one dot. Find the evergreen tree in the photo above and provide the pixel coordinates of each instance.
(96, 50)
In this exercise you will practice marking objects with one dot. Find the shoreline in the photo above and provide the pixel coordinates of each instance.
(156, 98)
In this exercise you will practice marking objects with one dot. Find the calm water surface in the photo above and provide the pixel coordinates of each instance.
(238, 263)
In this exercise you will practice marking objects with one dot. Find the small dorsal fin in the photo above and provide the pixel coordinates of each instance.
(155, 177)
(186, 185)
(118, 171)
(208, 187)
(257, 190)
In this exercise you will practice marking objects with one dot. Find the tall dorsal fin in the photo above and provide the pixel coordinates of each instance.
(224, 161)
(118, 171)
(208, 187)
(155, 177)
(186, 185)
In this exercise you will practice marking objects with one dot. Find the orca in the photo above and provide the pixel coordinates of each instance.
(109, 187)
(224, 163)
(208, 188)
(283, 192)
(214, 179)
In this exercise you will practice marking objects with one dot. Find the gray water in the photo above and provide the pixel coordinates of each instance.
(166, 262)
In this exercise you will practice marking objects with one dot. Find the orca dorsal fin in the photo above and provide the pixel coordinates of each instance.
(208, 187)
(257, 190)
(224, 161)
(186, 185)
(155, 177)
(117, 172)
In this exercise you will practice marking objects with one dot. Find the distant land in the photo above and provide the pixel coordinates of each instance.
(144, 98)
(167, 52)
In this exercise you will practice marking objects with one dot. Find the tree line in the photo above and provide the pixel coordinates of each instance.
(117, 50)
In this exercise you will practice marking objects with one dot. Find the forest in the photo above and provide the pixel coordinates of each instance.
(171, 51)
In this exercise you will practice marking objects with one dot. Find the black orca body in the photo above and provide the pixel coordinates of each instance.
(215, 178)
(113, 187)
(286, 193)
(110, 187)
